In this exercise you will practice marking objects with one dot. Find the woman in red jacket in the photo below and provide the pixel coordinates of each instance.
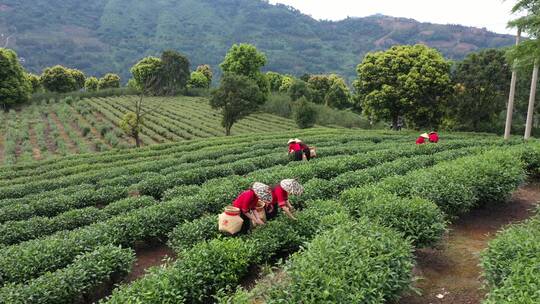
(422, 139)
(433, 137)
(295, 149)
(247, 203)
(280, 198)
(305, 149)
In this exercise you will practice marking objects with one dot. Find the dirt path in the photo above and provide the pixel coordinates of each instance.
(93, 130)
(70, 144)
(51, 145)
(148, 257)
(451, 273)
(36, 152)
(2, 151)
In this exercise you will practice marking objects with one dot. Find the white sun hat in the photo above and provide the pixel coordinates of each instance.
(292, 186)
(424, 135)
(263, 191)
(290, 141)
(297, 140)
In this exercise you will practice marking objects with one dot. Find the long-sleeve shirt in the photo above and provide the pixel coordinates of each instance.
(279, 196)
(420, 140)
(246, 201)
(434, 137)
(293, 147)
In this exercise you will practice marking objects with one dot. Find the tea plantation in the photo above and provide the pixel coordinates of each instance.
(70, 227)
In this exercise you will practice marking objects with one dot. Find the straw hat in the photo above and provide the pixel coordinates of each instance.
(290, 141)
(297, 140)
(292, 186)
(424, 135)
(262, 191)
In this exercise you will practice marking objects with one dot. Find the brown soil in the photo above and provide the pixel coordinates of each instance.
(70, 144)
(451, 273)
(93, 130)
(51, 146)
(148, 257)
(2, 156)
(101, 118)
(36, 152)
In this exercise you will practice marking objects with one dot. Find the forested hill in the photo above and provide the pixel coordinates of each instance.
(101, 36)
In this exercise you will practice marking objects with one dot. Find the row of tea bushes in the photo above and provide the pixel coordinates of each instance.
(76, 282)
(512, 264)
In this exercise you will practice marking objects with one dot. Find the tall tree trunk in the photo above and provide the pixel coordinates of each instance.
(395, 120)
(137, 140)
(228, 130)
(532, 97)
(510, 109)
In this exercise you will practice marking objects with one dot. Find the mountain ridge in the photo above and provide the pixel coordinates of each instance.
(111, 35)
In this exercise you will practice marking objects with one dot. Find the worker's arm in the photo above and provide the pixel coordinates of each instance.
(288, 211)
(254, 216)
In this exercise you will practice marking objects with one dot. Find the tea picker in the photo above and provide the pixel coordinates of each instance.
(243, 213)
(280, 198)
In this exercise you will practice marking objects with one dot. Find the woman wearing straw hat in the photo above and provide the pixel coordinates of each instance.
(280, 198)
(247, 203)
(305, 149)
(433, 137)
(422, 139)
(295, 149)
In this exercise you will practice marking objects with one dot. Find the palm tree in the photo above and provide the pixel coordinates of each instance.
(529, 50)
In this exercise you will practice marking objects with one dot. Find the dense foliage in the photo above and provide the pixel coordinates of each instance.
(512, 263)
(95, 36)
(237, 97)
(405, 81)
(14, 86)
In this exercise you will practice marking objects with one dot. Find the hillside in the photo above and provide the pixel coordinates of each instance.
(110, 35)
(42, 131)
(74, 228)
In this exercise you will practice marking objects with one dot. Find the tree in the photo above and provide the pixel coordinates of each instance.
(174, 73)
(58, 79)
(91, 84)
(286, 84)
(147, 72)
(299, 89)
(408, 81)
(206, 70)
(237, 97)
(319, 85)
(481, 88)
(305, 114)
(109, 81)
(14, 86)
(305, 77)
(79, 77)
(529, 50)
(167, 75)
(338, 95)
(35, 82)
(198, 80)
(275, 80)
(245, 59)
(131, 123)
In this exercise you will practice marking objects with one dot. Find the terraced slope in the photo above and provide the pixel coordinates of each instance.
(42, 131)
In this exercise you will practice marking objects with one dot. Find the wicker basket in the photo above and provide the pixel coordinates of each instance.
(230, 220)
(313, 152)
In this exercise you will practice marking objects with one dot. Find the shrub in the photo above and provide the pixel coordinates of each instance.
(77, 280)
(186, 235)
(419, 220)
(305, 115)
(340, 266)
(516, 243)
